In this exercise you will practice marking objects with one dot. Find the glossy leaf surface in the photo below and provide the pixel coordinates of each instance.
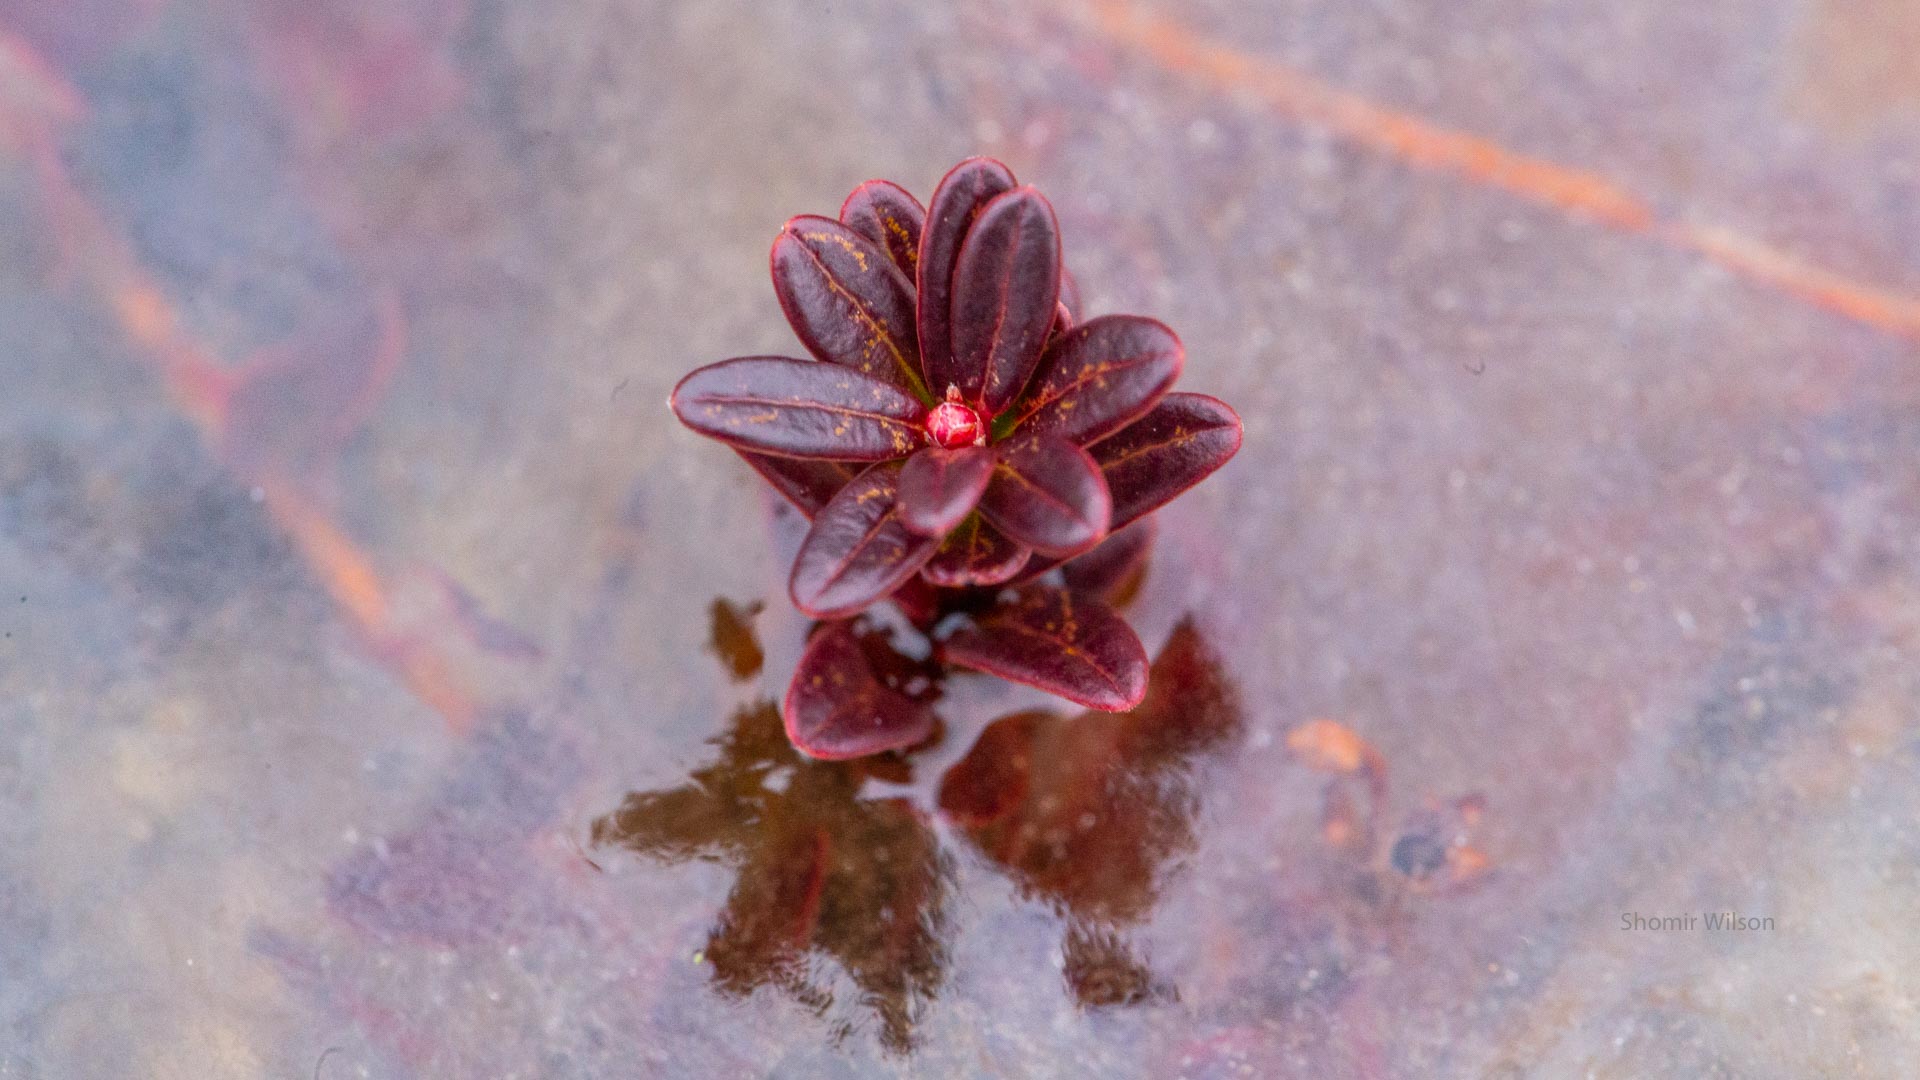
(837, 707)
(847, 301)
(799, 408)
(1047, 638)
(1099, 377)
(807, 483)
(1175, 446)
(858, 550)
(1006, 286)
(976, 554)
(1048, 494)
(883, 212)
(956, 203)
(938, 488)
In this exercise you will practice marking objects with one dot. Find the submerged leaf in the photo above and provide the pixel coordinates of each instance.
(975, 554)
(940, 487)
(837, 707)
(883, 212)
(950, 214)
(1045, 637)
(1177, 445)
(847, 301)
(1006, 288)
(799, 408)
(1097, 378)
(858, 550)
(1048, 494)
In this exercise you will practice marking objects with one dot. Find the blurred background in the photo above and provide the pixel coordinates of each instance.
(387, 683)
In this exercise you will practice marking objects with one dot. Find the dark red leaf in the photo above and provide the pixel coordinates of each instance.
(1048, 494)
(837, 708)
(918, 601)
(1165, 452)
(884, 213)
(975, 554)
(1113, 569)
(807, 483)
(956, 202)
(799, 408)
(1006, 288)
(940, 487)
(1070, 294)
(857, 551)
(1097, 378)
(1045, 637)
(847, 301)
(1092, 582)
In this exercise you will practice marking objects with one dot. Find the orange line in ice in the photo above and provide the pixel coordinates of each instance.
(1426, 145)
(1835, 292)
(354, 585)
(202, 386)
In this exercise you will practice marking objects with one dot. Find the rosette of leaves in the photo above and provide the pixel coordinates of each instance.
(957, 433)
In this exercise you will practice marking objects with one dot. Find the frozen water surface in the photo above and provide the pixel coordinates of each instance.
(388, 683)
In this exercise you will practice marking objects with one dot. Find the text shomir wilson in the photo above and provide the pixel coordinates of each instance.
(1710, 921)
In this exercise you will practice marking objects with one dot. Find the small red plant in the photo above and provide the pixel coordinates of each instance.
(959, 425)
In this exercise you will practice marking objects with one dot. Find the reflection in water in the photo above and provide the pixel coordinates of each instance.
(730, 637)
(1086, 813)
(860, 880)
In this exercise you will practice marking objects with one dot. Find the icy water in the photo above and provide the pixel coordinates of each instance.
(389, 685)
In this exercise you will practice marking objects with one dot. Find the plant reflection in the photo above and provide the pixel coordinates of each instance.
(1085, 814)
(860, 880)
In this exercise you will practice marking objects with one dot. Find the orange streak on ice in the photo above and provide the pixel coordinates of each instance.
(1426, 145)
(354, 585)
(1759, 262)
(201, 385)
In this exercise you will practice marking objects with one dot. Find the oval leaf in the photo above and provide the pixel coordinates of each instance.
(884, 213)
(858, 550)
(956, 202)
(847, 301)
(1112, 570)
(1006, 289)
(1045, 637)
(1070, 294)
(837, 708)
(975, 554)
(1175, 446)
(1048, 494)
(939, 487)
(1097, 378)
(1090, 583)
(807, 483)
(799, 408)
